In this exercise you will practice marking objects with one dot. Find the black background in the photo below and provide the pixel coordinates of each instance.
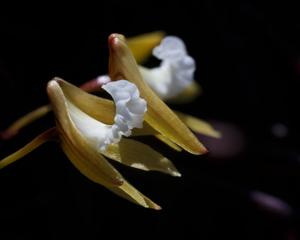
(248, 64)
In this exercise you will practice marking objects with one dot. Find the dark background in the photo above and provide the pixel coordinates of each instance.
(248, 64)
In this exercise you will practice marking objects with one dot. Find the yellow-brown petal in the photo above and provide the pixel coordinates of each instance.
(139, 155)
(122, 65)
(142, 45)
(168, 142)
(23, 121)
(124, 190)
(198, 125)
(187, 95)
(28, 148)
(91, 104)
(99, 108)
(130, 193)
(91, 162)
(146, 130)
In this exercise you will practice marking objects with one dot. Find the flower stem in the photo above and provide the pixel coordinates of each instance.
(48, 135)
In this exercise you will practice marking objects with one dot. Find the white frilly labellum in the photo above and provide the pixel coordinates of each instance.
(130, 110)
(176, 71)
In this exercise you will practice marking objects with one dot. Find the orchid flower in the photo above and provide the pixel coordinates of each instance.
(172, 81)
(176, 71)
(91, 129)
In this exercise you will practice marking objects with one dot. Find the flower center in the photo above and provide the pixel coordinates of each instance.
(130, 110)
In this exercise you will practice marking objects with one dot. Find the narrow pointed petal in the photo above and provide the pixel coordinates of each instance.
(142, 45)
(122, 65)
(128, 192)
(71, 135)
(23, 121)
(188, 95)
(35, 143)
(138, 155)
(124, 190)
(168, 142)
(198, 125)
(82, 163)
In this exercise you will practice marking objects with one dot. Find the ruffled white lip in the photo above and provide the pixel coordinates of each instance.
(176, 71)
(130, 110)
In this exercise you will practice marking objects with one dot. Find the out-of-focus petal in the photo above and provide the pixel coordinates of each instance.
(198, 125)
(122, 65)
(28, 148)
(142, 45)
(175, 72)
(187, 95)
(23, 121)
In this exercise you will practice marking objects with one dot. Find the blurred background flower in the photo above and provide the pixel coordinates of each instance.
(247, 57)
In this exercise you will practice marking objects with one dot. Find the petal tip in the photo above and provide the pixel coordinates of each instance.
(201, 150)
(116, 35)
(176, 174)
(204, 150)
(157, 207)
(51, 84)
(218, 134)
(115, 39)
(58, 79)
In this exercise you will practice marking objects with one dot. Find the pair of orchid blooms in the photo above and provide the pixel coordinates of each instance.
(92, 129)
